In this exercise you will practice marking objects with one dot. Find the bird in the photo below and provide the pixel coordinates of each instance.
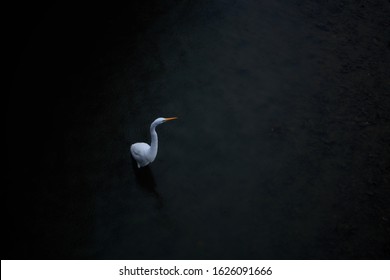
(144, 153)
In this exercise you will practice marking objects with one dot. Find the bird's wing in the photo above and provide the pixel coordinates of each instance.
(139, 153)
(138, 149)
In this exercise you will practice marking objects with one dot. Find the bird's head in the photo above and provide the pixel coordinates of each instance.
(162, 120)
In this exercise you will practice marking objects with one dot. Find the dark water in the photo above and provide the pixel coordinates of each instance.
(281, 149)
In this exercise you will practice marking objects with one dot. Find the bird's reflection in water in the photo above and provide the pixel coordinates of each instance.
(145, 180)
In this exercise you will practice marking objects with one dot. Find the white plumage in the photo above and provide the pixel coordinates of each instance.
(144, 153)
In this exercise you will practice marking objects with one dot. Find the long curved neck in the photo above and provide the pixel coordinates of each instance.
(154, 142)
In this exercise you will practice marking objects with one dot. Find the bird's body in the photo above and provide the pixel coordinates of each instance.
(139, 153)
(144, 153)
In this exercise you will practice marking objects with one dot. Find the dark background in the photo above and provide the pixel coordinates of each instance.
(281, 150)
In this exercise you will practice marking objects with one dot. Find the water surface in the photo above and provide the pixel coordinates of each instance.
(279, 151)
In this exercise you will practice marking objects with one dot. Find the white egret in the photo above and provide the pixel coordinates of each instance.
(142, 152)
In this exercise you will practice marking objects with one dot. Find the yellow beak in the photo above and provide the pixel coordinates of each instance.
(170, 119)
